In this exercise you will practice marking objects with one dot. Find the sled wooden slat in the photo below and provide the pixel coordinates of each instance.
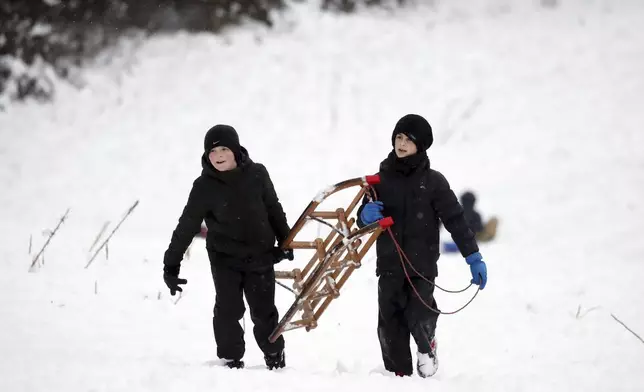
(355, 201)
(325, 214)
(322, 295)
(303, 245)
(320, 250)
(346, 266)
(335, 258)
(332, 235)
(339, 283)
(294, 274)
(296, 325)
(366, 247)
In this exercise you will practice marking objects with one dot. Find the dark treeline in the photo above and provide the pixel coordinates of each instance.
(40, 39)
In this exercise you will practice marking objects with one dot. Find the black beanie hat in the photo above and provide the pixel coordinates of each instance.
(222, 135)
(417, 129)
(468, 199)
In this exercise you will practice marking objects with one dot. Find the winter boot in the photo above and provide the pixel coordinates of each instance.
(234, 363)
(275, 360)
(427, 364)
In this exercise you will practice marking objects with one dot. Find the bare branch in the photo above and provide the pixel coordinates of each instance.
(581, 314)
(100, 234)
(628, 329)
(51, 235)
(129, 211)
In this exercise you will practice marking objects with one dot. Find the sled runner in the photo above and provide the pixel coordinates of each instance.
(335, 257)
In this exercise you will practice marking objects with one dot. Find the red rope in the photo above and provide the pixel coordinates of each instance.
(401, 253)
(404, 259)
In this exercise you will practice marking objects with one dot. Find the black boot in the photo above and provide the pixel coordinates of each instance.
(235, 363)
(275, 360)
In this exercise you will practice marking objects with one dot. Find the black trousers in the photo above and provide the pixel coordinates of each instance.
(400, 315)
(259, 288)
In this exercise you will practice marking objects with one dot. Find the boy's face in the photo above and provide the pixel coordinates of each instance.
(222, 158)
(403, 146)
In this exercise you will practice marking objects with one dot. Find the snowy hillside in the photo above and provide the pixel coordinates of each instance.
(539, 110)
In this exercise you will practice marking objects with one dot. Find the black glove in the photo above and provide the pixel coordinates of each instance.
(281, 254)
(171, 279)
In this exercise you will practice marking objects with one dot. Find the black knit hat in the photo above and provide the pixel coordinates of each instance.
(468, 199)
(417, 129)
(222, 135)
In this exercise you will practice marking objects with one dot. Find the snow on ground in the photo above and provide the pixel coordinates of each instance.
(536, 109)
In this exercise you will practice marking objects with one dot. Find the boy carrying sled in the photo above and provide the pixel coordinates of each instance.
(418, 198)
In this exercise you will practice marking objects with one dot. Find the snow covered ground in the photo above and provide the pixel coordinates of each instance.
(537, 109)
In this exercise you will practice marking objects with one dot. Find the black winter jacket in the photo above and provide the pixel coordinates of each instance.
(242, 213)
(416, 197)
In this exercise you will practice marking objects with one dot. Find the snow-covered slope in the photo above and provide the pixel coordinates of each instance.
(536, 109)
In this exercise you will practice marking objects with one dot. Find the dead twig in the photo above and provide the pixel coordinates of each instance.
(581, 314)
(98, 237)
(51, 235)
(129, 211)
(628, 329)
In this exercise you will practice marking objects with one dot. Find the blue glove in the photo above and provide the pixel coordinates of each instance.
(371, 212)
(478, 269)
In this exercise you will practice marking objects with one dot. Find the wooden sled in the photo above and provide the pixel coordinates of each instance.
(335, 257)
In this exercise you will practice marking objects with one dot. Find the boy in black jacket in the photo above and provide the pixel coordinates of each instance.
(244, 217)
(416, 197)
